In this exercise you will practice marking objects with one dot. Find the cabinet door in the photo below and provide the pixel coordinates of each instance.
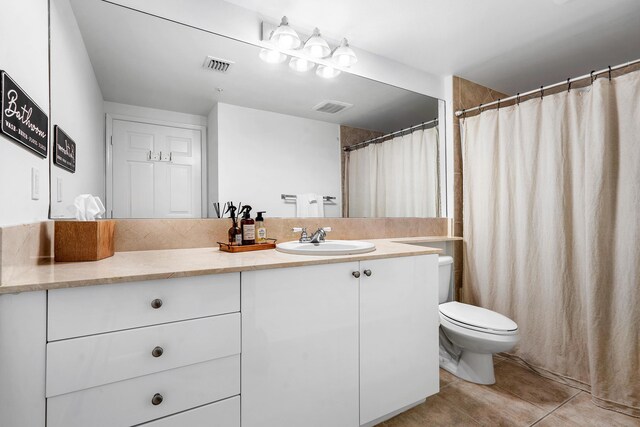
(23, 326)
(300, 346)
(398, 334)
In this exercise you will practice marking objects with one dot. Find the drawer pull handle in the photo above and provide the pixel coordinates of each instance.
(367, 273)
(157, 352)
(356, 274)
(157, 399)
(156, 303)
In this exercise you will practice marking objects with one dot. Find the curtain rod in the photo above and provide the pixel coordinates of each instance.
(593, 75)
(369, 141)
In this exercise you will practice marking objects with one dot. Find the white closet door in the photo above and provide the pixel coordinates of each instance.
(156, 171)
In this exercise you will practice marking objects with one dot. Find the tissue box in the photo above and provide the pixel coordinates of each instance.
(83, 240)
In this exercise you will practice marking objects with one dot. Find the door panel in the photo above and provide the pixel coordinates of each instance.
(140, 194)
(300, 346)
(180, 189)
(156, 171)
(398, 334)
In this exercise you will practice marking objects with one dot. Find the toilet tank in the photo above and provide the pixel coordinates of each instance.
(445, 264)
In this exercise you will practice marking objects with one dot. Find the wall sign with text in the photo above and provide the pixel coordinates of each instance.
(65, 150)
(22, 119)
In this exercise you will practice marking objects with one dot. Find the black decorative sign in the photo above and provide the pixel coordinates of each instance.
(65, 150)
(22, 119)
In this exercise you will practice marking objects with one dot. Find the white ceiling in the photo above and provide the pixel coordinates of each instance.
(509, 45)
(142, 60)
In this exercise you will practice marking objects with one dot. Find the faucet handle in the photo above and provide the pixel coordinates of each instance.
(304, 237)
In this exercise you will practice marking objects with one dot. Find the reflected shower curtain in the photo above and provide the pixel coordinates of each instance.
(396, 178)
(552, 232)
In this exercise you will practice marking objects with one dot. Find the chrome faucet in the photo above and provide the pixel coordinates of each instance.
(316, 238)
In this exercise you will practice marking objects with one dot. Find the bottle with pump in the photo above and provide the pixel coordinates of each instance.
(261, 230)
(248, 226)
(235, 234)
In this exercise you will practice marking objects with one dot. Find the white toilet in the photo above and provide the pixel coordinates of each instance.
(469, 335)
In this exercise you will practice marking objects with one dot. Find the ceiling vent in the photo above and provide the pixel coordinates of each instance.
(217, 64)
(332, 107)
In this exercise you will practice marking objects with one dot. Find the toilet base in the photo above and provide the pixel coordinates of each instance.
(473, 367)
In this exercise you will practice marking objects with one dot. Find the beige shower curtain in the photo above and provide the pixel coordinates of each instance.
(396, 178)
(552, 231)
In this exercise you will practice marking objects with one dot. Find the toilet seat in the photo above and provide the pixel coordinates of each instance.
(477, 319)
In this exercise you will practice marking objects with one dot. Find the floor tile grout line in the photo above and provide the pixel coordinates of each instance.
(535, 404)
(465, 413)
(560, 406)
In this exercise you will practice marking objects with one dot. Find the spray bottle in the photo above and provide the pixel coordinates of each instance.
(235, 235)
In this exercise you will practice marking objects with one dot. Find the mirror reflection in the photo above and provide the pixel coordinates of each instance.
(172, 122)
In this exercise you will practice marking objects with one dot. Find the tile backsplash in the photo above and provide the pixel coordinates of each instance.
(28, 245)
(139, 235)
(24, 246)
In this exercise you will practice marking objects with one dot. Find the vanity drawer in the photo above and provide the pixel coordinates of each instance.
(135, 401)
(85, 362)
(91, 310)
(225, 413)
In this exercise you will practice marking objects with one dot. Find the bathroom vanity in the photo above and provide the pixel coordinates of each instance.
(265, 339)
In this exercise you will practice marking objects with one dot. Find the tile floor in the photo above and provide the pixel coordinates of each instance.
(518, 398)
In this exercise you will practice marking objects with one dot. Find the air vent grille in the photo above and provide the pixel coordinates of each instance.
(217, 64)
(332, 107)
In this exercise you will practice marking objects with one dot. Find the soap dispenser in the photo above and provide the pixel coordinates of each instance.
(261, 230)
(235, 234)
(248, 227)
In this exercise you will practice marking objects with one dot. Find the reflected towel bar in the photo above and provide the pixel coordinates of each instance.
(293, 197)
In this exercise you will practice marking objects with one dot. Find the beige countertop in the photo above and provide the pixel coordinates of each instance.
(164, 264)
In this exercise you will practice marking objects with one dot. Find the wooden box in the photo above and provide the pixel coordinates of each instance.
(83, 240)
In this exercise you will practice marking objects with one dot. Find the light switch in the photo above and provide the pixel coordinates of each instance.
(35, 184)
(59, 189)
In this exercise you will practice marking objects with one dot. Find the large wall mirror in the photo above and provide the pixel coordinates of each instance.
(169, 120)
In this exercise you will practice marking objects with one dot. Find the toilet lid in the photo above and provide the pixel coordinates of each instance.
(477, 316)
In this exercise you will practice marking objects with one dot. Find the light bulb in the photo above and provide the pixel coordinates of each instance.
(301, 65)
(327, 72)
(344, 55)
(286, 41)
(284, 36)
(316, 51)
(272, 56)
(316, 46)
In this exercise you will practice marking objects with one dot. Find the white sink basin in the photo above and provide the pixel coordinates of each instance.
(330, 247)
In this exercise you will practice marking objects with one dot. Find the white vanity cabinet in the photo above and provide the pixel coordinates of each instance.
(23, 337)
(339, 344)
(126, 354)
(343, 344)
(300, 346)
(398, 334)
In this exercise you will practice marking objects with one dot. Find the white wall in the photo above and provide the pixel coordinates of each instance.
(263, 154)
(153, 114)
(24, 53)
(212, 161)
(77, 107)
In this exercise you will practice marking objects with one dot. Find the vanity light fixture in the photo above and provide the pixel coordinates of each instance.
(300, 64)
(327, 72)
(285, 37)
(343, 55)
(316, 46)
(272, 56)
